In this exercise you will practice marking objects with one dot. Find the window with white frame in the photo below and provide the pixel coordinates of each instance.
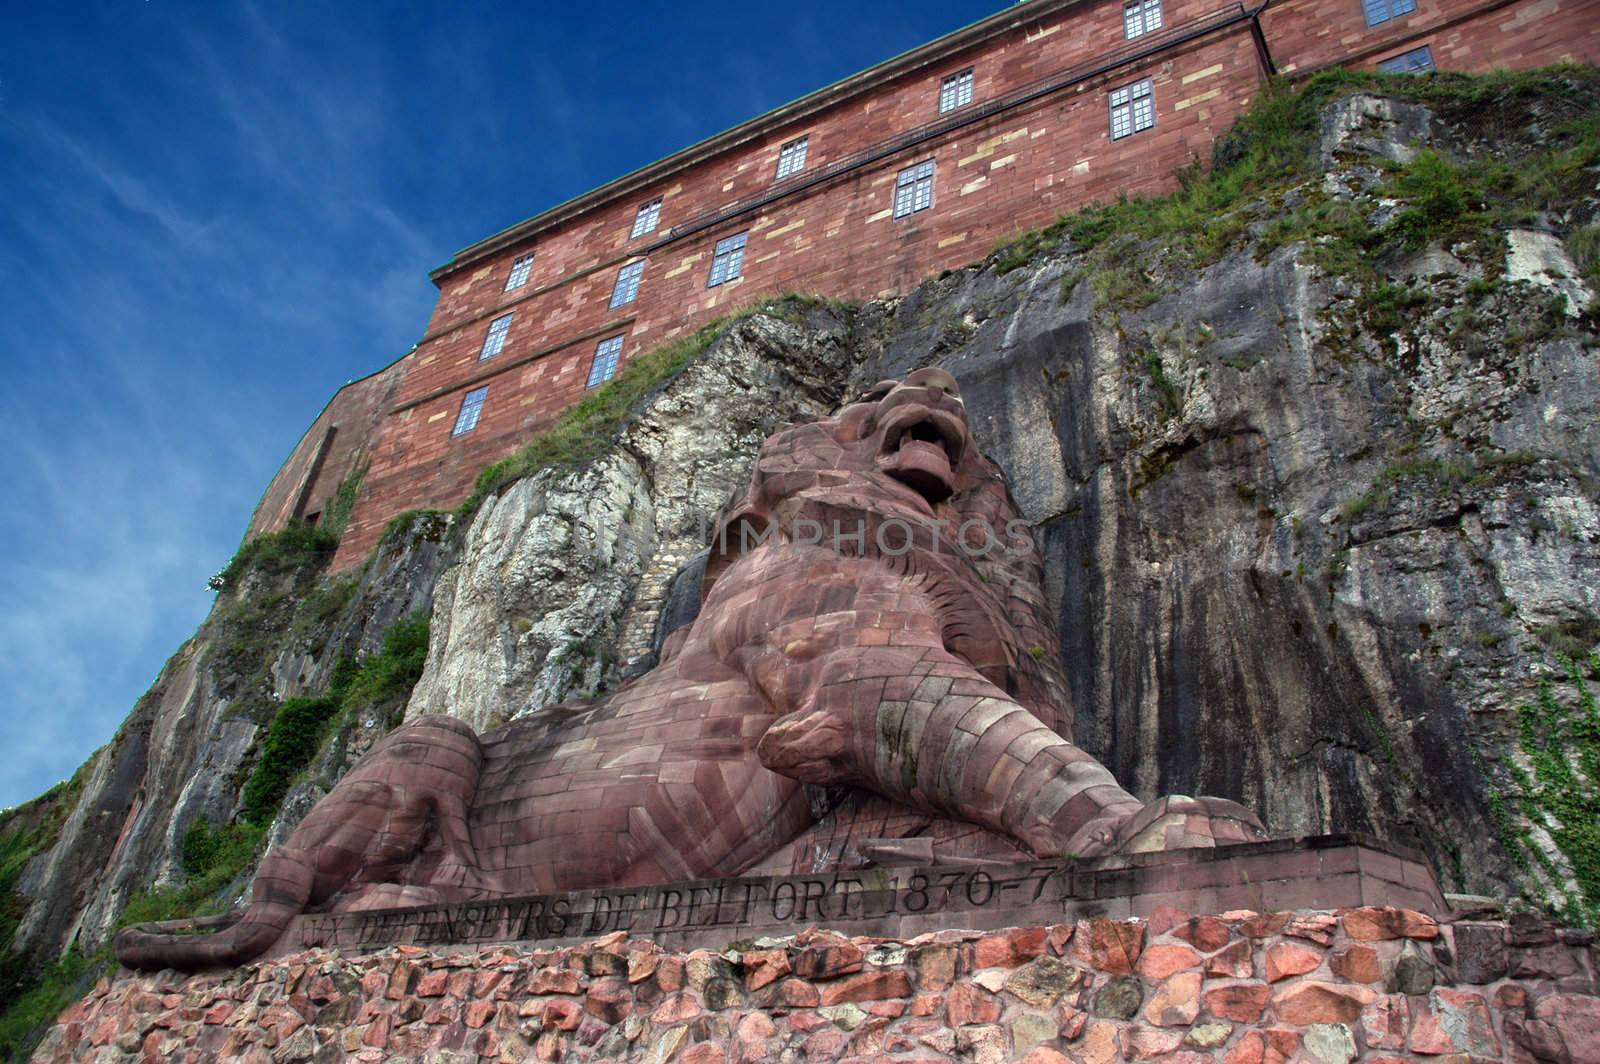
(1416, 61)
(792, 157)
(626, 290)
(1133, 108)
(605, 361)
(727, 261)
(1380, 11)
(471, 407)
(1140, 17)
(913, 189)
(495, 340)
(645, 221)
(519, 272)
(955, 91)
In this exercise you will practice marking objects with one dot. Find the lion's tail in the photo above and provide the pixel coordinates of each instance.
(282, 886)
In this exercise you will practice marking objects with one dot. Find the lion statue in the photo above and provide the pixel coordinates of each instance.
(872, 618)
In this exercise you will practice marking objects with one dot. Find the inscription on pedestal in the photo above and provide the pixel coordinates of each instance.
(1322, 872)
(768, 903)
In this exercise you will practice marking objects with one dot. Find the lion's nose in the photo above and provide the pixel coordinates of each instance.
(933, 378)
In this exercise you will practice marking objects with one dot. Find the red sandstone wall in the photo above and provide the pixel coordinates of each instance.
(1470, 35)
(1014, 171)
(1379, 985)
(1040, 48)
(342, 436)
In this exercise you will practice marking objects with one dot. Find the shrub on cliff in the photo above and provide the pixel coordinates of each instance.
(278, 553)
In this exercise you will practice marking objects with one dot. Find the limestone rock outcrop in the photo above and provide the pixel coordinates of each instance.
(560, 578)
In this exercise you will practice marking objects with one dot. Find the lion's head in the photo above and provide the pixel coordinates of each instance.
(897, 475)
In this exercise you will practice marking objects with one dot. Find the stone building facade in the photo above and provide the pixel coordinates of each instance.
(859, 190)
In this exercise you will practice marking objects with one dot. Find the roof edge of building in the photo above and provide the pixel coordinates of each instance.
(1000, 22)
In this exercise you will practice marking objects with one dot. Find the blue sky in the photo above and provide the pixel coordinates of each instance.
(215, 214)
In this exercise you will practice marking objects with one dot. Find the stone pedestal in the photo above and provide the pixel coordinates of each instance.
(1321, 872)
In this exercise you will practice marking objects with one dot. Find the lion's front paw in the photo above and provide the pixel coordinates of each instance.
(810, 746)
(1178, 822)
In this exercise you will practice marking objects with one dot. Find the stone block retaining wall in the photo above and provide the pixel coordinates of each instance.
(1369, 984)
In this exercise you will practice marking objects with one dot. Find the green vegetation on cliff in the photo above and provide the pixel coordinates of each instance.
(1558, 793)
(1274, 147)
(584, 432)
(30, 999)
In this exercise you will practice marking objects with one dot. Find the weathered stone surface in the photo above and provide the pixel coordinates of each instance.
(967, 1004)
(1358, 964)
(1412, 973)
(1099, 1044)
(1480, 952)
(1208, 1035)
(1453, 1021)
(827, 960)
(1312, 1001)
(986, 1045)
(1330, 1043)
(1143, 1043)
(1204, 933)
(1236, 961)
(1317, 927)
(1108, 945)
(1551, 961)
(1009, 949)
(1045, 1055)
(1158, 962)
(1385, 1021)
(867, 986)
(1565, 1027)
(1119, 999)
(1371, 924)
(1286, 959)
(1176, 1002)
(1042, 982)
(1030, 1030)
(935, 966)
(1241, 1002)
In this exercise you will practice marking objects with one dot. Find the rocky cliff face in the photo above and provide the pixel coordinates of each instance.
(1316, 534)
(561, 579)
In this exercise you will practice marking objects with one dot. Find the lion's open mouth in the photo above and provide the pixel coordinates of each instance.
(921, 447)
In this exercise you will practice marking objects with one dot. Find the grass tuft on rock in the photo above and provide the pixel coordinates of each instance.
(1274, 146)
(587, 430)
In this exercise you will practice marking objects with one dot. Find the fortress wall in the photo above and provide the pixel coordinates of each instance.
(1370, 984)
(338, 442)
(1469, 35)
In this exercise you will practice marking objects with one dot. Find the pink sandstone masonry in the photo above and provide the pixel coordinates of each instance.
(1375, 984)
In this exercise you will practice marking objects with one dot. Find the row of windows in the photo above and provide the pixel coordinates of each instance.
(1140, 17)
(955, 91)
(1381, 11)
(1133, 110)
(1416, 61)
(606, 356)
